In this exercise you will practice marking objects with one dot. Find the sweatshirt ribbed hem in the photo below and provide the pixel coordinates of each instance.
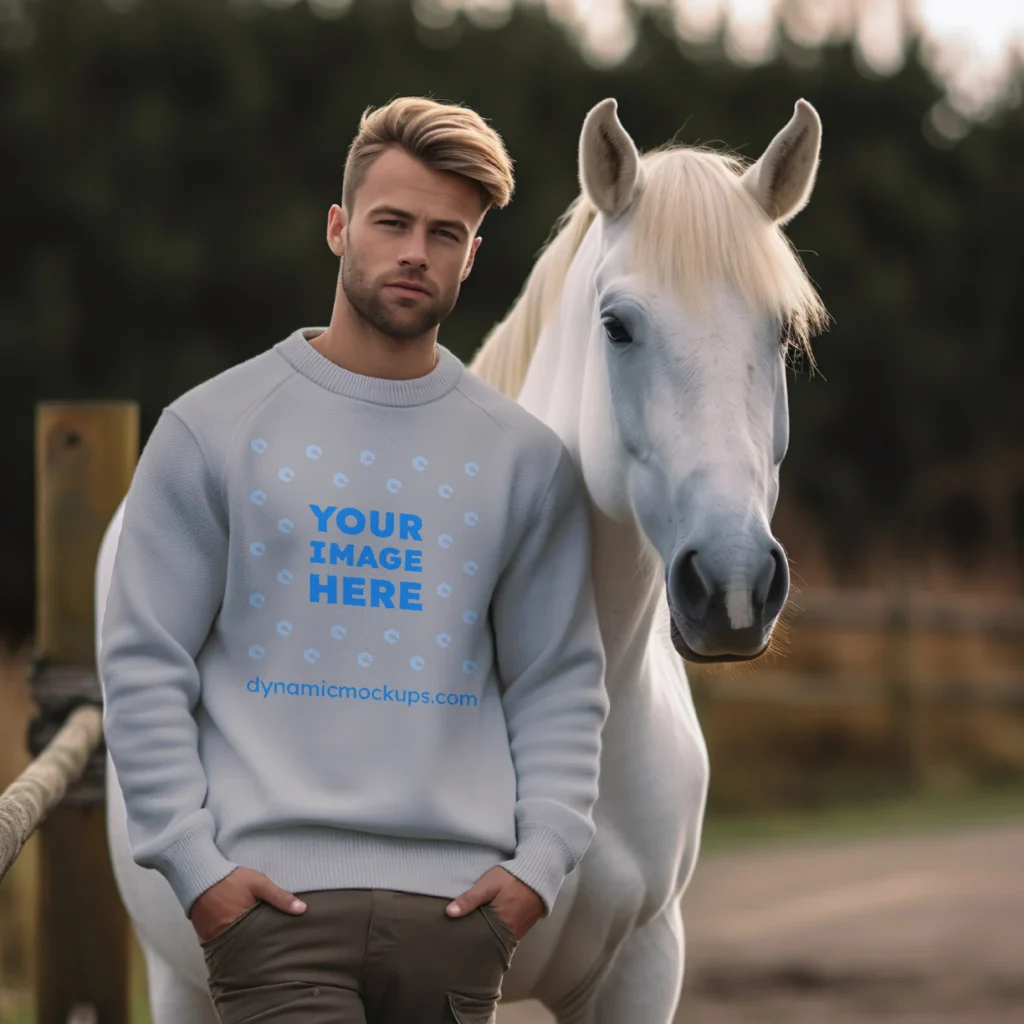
(312, 364)
(191, 864)
(311, 858)
(542, 861)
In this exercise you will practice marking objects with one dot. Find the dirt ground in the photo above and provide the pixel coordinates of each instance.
(922, 930)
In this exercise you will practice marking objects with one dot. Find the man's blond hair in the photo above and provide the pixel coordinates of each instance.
(443, 136)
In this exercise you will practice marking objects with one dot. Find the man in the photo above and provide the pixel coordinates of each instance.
(350, 649)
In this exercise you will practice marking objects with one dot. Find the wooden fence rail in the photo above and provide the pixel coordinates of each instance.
(988, 689)
(878, 611)
(899, 684)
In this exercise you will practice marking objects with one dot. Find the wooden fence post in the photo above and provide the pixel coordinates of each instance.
(85, 457)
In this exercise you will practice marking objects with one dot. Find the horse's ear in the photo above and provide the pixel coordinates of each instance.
(609, 162)
(782, 180)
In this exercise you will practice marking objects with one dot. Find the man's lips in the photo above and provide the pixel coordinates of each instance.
(409, 286)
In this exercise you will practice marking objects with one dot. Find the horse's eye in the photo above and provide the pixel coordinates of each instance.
(616, 331)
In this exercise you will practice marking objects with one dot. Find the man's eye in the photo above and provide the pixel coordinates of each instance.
(391, 223)
(446, 234)
(616, 331)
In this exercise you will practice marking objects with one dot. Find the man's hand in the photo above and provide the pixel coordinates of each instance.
(232, 896)
(516, 903)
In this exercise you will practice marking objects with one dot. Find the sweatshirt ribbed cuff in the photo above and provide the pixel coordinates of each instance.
(192, 864)
(542, 861)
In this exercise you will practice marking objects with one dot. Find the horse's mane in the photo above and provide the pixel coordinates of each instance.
(505, 355)
(695, 225)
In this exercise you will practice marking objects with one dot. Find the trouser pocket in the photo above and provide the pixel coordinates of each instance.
(281, 968)
(502, 932)
(467, 1009)
(216, 948)
(424, 967)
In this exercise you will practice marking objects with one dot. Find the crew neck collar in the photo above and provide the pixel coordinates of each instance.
(315, 366)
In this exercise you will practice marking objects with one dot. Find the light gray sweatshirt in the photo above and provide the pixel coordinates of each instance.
(350, 639)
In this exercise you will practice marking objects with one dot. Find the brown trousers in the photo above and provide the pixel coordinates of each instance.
(360, 956)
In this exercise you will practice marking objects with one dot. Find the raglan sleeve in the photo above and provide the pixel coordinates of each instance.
(164, 594)
(551, 663)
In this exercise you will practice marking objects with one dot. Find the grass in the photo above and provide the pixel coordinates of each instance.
(911, 814)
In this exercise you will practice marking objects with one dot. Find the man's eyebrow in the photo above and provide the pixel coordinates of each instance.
(394, 211)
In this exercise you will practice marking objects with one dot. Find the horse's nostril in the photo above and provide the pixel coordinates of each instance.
(689, 590)
(778, 587)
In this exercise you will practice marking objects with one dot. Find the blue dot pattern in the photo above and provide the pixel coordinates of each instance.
(294, 632)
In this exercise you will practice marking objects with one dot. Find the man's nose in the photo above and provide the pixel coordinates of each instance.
(415, 252)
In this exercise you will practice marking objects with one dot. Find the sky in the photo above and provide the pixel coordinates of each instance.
(969, 44)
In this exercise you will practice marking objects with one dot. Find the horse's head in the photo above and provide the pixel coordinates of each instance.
(684, 419)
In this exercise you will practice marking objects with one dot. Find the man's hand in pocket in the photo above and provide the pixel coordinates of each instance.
(516, 903)
(233, 896)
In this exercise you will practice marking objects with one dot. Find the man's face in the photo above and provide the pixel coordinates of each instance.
(407, 244)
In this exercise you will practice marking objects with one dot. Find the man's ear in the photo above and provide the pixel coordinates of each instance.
(474, 245)
(337, 222)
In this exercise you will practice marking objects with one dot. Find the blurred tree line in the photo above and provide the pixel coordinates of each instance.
(167, 169)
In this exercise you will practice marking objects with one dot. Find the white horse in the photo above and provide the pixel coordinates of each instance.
(652, 336)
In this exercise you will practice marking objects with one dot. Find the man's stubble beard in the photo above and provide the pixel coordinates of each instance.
(370, 305)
